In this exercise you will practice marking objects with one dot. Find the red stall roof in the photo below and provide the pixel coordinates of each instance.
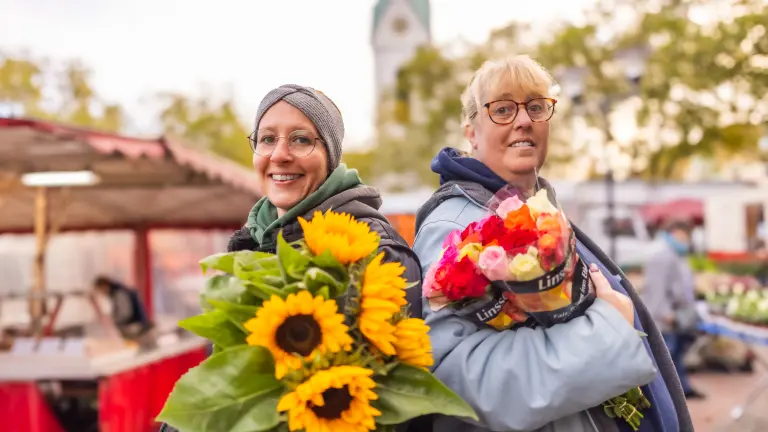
(152, 183)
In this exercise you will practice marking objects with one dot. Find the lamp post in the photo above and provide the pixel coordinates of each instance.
(572, 82)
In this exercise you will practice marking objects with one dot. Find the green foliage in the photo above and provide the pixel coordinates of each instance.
(703, 86)
(214, 127)
(22, 80)
(408, 392)
(236, 389)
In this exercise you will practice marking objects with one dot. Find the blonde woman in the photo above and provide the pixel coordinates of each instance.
(545, 379)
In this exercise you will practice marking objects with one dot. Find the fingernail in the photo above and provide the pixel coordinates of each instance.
(593, 268)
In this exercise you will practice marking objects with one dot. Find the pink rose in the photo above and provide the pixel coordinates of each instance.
(509, 205)
(453, 238)
(450, 255)
(493, 263)
(428, 285)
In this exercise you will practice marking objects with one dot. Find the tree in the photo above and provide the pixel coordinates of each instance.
(214, 127)
(702, 89)
(423, 113)
(22, 80)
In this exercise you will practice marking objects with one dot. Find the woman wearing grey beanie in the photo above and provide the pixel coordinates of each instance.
(296, 146)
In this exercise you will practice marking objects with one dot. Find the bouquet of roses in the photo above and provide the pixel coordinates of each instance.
(519, 261)
(315, 337)
(518, 266)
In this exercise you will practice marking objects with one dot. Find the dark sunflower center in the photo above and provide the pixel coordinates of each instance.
(299, 334)
(337, 400)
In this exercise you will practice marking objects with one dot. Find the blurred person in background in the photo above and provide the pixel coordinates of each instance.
(762, 266)
(128, 313)
(669, 294)
(297, 157)
(544, 379)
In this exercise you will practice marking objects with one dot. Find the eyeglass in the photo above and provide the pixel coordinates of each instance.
(301, 143)
(505, 111)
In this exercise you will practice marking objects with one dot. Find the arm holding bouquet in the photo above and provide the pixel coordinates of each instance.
(526, 378)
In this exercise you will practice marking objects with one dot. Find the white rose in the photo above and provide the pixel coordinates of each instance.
(539, 203)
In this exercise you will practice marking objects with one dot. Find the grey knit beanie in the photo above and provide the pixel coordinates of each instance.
(318, 108)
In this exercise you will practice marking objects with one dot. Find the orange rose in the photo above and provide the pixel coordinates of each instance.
(520, 219)
(548, 242)
(549, 224)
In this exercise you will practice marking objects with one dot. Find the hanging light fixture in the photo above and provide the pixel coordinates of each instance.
(59, 178)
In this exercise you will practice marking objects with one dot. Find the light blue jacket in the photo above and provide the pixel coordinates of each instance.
(541, 379)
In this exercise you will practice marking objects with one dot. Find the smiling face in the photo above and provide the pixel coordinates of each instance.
(514, 151)
(287, 179)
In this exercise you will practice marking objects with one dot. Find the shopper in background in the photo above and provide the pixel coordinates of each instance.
(669, 295)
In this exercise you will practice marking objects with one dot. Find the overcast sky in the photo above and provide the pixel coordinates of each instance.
(241, 48)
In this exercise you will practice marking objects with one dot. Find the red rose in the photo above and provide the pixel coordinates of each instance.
(492, 229)
(461, 280)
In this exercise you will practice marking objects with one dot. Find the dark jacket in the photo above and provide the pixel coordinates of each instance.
(127, 308)
(362, 203)
(478, 183)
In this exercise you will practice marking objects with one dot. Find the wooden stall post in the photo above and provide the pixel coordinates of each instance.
(37, 300)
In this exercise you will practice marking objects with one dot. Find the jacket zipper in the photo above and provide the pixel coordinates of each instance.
(592, 421)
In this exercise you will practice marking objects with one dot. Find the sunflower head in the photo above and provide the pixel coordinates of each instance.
(335, 399)
(382, 296)
(298, 328)
(412, 343)
(347, 239)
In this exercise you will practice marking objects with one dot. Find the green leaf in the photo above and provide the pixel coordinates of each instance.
(408, 392)
(271, 277)
(264, 261)
(222, 261)
(225, 262)
(237, 314)
(233, 391)
(326, 261)
(265, 290)
(292, 262)
(316, 279)
(215, 326)
(226, 288)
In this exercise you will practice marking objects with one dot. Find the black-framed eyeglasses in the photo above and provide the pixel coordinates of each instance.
(505, 111)
(301, 143)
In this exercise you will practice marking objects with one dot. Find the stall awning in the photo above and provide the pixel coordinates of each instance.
(685, 209)
(150, 183)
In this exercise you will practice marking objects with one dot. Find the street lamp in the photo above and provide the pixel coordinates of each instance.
(631, 61)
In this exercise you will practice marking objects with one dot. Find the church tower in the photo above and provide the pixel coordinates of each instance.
(400, 27)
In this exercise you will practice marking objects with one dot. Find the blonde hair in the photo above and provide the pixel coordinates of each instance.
(518, 74)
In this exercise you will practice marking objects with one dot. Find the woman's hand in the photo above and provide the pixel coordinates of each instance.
(618, 300)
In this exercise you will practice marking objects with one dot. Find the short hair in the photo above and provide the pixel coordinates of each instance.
(517, 73)
(102, 280)
(677, 224)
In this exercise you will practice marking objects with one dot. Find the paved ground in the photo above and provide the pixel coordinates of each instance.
(725, 392)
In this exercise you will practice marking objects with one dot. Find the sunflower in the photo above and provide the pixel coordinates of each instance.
(301, 325)
(383, 294)
(347, 239)
(335, 399)
(412, 344)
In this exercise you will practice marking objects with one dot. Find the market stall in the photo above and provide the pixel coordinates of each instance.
(56, 179)
(739, 312)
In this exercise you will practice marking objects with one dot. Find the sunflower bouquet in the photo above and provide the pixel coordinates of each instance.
(315, 337)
